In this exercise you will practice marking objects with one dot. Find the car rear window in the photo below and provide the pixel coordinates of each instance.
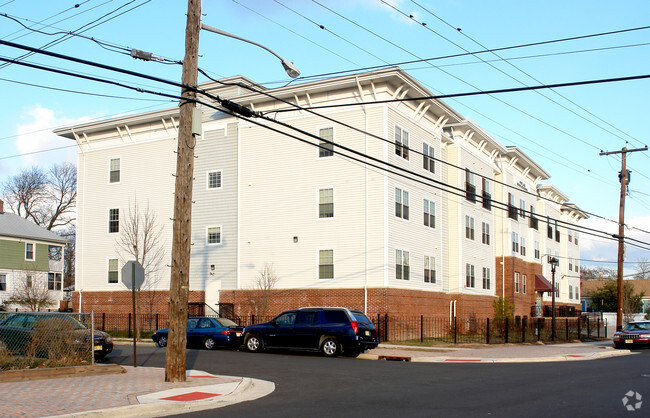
(336, 316)
(361, 318)
(225, 322)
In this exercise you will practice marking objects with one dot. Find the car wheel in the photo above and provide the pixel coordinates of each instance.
(162, 341)
(209, 343)
(330, 347)
(253, 343)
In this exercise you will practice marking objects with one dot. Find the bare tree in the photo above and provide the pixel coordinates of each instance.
(141, 239)
(69, 257)
(642, 269)
(264, 285)
(48, 198)
(32, 294)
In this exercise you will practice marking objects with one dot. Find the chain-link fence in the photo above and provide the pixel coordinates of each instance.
(45, 339)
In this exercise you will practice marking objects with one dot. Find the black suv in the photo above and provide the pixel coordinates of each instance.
(331, 331)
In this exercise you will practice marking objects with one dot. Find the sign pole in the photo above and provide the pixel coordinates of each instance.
(135, 330)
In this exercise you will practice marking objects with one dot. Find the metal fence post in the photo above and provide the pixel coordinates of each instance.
(455, 332)
(379, 327)
(103, 321)
(507, 326)
(539, 329)
(598, 323)
(386, 327)
(524, 323)
(487, 332)
(421, 328)
(588, 331)
(579, 328)
(129, 326)
(157, 322)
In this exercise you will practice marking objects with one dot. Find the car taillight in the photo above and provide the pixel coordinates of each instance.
(226, 332)
(355, 327)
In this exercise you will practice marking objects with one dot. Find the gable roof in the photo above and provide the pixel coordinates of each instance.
(14, 226)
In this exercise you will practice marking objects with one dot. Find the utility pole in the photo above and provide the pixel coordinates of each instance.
(625, 179)
(179, 283)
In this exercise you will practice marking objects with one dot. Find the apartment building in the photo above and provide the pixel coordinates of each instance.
(386, 200)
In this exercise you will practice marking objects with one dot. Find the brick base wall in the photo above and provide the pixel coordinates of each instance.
(121, 301)
(380, 301)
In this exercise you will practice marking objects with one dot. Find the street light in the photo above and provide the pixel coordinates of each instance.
(291, 69)
(554, 262)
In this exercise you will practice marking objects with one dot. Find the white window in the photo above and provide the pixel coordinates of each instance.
(213, 236)
(469, 227)
(29, 281)
(428, 157)
(326, 203)
(486, 197)
(570, 264)
(326, 264)
(522, 247)
(113, 221)
(485, 237)
(486, 278)
(429, 269)
(214, 179)
(401, 203)
(537, 252)
(325, 148)
(470, 279)
(522, 208)
(113, 270)
(570, 235)
(570, 292)
(30, 251)
(523, 282)
(515, 242)
(114, 171)
(54, 281)
(402, 266)
(516, 282)
(429, 213)
(401, 142)
(575, 237)
(3, 282)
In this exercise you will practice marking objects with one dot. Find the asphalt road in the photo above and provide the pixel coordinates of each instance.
(310, 385)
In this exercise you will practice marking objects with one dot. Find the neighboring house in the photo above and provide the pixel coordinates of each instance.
(30, 256)
(465, 224)
(639, 285)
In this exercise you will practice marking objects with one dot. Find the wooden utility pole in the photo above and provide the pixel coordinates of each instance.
(179, 284)
(625, 179)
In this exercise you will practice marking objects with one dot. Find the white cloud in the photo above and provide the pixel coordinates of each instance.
(36, 141)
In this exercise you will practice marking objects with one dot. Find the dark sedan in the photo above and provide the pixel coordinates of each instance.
(633, 334)
(50, 334)
(208, 332)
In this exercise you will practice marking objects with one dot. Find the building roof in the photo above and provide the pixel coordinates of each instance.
(14, 226)
(589, 286)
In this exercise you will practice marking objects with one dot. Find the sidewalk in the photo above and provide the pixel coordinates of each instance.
(142, 392)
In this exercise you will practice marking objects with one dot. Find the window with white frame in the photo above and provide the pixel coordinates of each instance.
(429, 269)
(522, 208)
(402, 265)
(326, 203)
(326, 264)
(523, 283)
(113, 270)
(469, 227)
(516, 282)
(401, 203)
(486, 278)
(537, 251)
(401, 142)
(30, 251)
(428, 157)
(570, 292)
(429, 213)
(515, 242)
(522, 246)
(470, 187)
(570, 264)
(470, 279)
(213, 236)
(113, 221)
(575, 237)
(214, 179)
(29, 281)
(54, 281)
(114, 171)
(577, 289)
(576, 267)
(570, 235)
(3, 282)
(485, 237)
(487, 197)
(326, 149)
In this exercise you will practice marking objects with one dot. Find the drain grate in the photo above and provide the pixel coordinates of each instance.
(394, 358)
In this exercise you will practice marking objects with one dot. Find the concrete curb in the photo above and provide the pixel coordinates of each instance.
(247, 390)
(556, 358)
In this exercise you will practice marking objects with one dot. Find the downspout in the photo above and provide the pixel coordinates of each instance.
(365, 200)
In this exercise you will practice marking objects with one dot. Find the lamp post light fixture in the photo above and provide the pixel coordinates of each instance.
(554, 262)
(291, 69)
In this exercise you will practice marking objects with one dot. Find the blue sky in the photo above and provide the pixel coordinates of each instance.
(563, 132)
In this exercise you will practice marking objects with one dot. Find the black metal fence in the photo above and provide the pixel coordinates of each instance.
(431, 330)
(411, 329)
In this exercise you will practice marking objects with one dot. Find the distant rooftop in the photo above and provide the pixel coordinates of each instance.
(12, 225)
